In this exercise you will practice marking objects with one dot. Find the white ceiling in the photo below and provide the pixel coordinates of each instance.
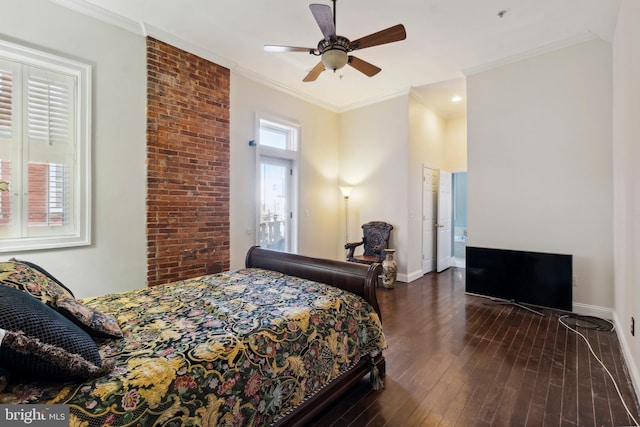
(446, 39)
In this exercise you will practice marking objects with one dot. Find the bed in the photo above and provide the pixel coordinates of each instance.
(273, 343)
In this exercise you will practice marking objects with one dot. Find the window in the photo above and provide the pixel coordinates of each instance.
(277, 159)
(44, 150)
(276, 136)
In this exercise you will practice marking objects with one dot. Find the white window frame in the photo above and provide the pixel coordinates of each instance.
(79, 234)
(290, 154)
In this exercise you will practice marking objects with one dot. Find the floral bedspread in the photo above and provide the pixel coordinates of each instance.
(235, 348)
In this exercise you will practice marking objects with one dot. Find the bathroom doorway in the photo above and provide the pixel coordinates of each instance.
(459, 242)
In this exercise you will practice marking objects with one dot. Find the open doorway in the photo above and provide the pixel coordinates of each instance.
(459, 242)
(436, 255)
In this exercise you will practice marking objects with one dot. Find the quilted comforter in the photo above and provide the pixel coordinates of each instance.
(235, 348)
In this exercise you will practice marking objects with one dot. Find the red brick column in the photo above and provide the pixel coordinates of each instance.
(187, 165)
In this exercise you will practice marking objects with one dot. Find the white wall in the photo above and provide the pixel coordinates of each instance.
(455, 144)
(626, 176)
(373, 159)
(116, 259)
(438, 143)
(319, 228)
(540, 161)
(427, 137)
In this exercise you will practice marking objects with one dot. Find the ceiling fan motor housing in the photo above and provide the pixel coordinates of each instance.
(334, 52)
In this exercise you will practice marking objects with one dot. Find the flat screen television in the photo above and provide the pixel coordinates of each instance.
(535, 278)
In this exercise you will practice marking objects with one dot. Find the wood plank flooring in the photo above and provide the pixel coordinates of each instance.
(461, 360)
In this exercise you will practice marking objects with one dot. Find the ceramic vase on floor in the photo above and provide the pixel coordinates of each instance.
(389, 269)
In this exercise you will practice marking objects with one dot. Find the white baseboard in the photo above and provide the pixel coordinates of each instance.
(626, 352)
(593, 310)
(408, 278)
(459, 262)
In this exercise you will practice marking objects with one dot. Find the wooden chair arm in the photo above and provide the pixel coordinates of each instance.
(352, 247)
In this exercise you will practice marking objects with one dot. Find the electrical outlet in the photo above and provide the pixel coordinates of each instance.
(633, 327)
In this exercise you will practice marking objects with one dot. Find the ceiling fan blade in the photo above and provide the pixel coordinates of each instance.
(314, 73)
(389, 35)
(324, 18)
(363, 66)
(276, 48)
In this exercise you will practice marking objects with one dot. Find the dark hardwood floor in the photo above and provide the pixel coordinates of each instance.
(461, 360)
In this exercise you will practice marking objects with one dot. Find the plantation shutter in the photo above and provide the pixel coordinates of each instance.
(49, 106)
(45, 146)
(6, 89)
(9, 143)
(51, 150)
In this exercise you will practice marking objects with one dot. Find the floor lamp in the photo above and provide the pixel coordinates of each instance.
(346, 192)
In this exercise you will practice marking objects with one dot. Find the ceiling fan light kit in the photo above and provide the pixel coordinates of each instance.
(334, 49)
(334, 52)
(334, 59)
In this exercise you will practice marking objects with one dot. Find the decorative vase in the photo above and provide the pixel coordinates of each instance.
(389, 269)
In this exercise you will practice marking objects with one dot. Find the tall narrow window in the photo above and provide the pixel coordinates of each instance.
(277, 182)
(44, 150)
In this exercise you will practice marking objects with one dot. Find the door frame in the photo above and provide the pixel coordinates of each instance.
(288, 220)
(446, 261)
(432, 243)
(290, 154)
(444, 223)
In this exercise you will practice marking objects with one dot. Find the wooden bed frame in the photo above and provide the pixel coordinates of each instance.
(356, 278)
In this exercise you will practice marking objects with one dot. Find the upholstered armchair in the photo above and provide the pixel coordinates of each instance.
(375, 239)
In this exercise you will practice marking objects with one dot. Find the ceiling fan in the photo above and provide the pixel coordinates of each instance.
(334, 49)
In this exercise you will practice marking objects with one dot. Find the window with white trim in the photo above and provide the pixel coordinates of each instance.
(44, 150)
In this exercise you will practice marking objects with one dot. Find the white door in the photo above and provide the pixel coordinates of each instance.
(429, 203)
(275, 204)
(444, 255)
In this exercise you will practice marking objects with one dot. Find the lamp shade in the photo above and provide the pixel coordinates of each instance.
(346, 191)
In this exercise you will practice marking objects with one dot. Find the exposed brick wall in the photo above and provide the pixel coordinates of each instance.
(187, 165)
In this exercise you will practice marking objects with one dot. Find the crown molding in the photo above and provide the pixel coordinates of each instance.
(148, 30)
(259, 78)
(428, 105)
(143, 29)
(101, 14)
(580, 38)
(416, 96)
(376, 99)
(603, 17)
(180, 43)
(413, 94)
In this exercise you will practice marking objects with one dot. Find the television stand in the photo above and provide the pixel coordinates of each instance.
(517, 304)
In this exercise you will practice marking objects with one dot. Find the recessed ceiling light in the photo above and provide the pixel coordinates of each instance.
(456, 98)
